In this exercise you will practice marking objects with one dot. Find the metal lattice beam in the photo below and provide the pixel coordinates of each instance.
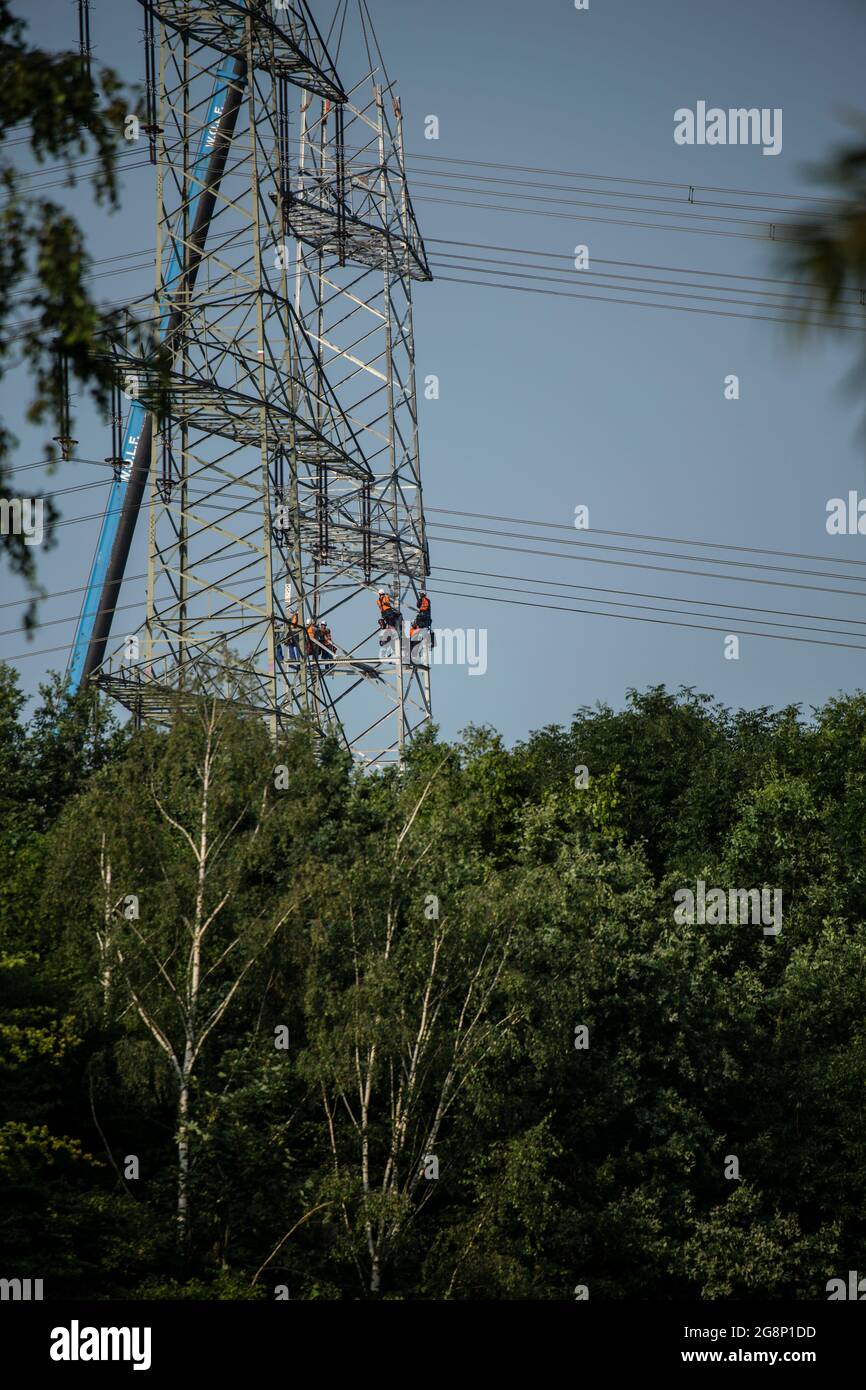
(284, 472)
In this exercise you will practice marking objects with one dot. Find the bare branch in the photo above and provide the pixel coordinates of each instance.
(408, 826)
(151, 1024)
(171, 820)
(282, 1242)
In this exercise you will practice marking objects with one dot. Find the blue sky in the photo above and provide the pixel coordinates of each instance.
(549, 402)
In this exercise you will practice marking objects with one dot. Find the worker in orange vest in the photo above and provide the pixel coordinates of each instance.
(292, 634)
(329, 648)
(424, 616)
(390, 615)
(421, 626)
(416, 643)
(389, 620)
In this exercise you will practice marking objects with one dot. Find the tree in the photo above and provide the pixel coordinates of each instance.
(828, 250)
(459, 1046)
(42, 764)
(54, 327)
(176, 917)
(404, 1010)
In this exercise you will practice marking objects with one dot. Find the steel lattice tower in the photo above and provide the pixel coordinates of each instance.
(281, 466)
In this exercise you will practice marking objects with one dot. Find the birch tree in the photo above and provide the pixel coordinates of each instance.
(404, 1009)
(183, 916)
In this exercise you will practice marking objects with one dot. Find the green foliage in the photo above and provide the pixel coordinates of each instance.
(477, 964)
(831, 250)
(827, 249)
(742, 1251)
(68, 116)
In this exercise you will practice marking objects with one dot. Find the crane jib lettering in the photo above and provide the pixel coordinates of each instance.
(213, 129)
(129, 456)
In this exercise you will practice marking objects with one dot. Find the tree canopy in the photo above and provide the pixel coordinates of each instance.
(273, 1027)
(50, 323)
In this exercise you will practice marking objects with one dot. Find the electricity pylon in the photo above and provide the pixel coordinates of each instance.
(277, 429)
(357, 250)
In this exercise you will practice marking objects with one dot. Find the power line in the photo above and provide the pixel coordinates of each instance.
(619, 178)
(665, 622)
(535, 604)
(47, 463)
(52, 168)
(149, 252)
(642, 536)
(27, 325)
(581, 545)
(688, 202)
(769, 232)
(418, 156)
(661, 569)
(612, 207)
(636, 303)
(630, 265)
(658, 608)
(578, 544)
(40, 188)
(833, 319)
(525, 580)
(72, 618)
(637, 593)
(768, 235)
(637, 283)
(660, 554)
(829, 318)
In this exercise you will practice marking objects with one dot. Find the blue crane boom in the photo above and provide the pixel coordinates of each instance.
(127, 490)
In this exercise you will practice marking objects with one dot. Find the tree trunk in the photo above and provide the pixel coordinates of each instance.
(183, 1164)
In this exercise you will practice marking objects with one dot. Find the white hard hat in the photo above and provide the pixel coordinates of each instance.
(381, 591)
